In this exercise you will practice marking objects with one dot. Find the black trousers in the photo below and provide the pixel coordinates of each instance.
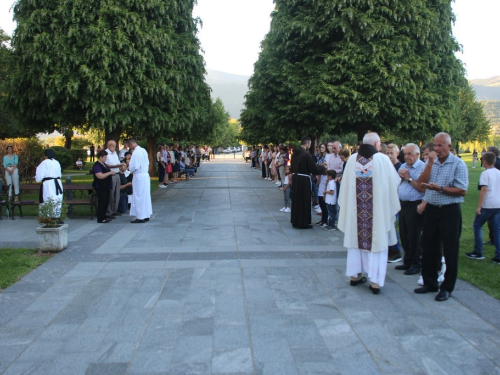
(324, 210)
(410, 227)
(442, 226)
(102, 204)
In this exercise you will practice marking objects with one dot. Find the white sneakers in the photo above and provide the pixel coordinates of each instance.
(285, 209)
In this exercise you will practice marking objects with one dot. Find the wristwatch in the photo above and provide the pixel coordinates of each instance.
(442, 191)
(410, 180)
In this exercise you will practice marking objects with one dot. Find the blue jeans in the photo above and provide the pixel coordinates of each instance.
(397, 246)
(491, 215)
(314, 189)
(332, 213)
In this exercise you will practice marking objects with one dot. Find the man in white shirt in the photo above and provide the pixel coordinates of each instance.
(333, 159)
(113, 162)
(488, 208)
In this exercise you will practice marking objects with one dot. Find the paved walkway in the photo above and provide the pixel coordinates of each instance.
(218, 282)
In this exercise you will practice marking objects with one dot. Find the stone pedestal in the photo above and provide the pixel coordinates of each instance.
(52, 239)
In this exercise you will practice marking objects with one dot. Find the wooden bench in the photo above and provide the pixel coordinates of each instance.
(4, 200)
(86, 197)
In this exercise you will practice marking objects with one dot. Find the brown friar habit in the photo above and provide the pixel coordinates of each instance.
(302, 167)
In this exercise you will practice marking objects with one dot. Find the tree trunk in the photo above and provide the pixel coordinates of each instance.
(68, 134)
(113, 135)
(151, 149)
(362, 129)
(67, 142)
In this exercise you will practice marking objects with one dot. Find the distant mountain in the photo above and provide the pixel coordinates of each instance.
(231, 88)
(487, 89)
(493, 81)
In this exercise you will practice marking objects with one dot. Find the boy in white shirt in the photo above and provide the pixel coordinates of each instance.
(488, 208)
(331, 199)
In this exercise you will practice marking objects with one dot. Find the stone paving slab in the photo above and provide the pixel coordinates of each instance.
(219, 283)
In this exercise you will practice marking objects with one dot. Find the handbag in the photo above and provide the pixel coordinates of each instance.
(169, 168)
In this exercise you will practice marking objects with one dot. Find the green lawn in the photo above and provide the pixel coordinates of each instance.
(15, 263)
(482, 273)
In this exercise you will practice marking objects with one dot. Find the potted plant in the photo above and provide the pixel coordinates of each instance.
(53, 234)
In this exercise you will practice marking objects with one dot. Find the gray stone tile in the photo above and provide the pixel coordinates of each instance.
(106, 369)
(8, 354)
(232, 361)
(32, 368)
(228, 336)
(230, 287)
(154, 360)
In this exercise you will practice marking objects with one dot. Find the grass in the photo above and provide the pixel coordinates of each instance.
(481, 273)
(16, 263)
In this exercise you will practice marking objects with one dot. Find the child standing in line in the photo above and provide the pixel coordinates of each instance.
(331, 199)
(287, 187)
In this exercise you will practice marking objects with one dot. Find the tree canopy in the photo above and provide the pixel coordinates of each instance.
(130, 66)
(341, 66)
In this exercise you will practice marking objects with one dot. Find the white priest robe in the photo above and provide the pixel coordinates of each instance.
(386, 205)
(50, 169)
(141, 185)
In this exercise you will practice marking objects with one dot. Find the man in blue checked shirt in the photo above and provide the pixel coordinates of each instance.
(445, 191)
(410, 221)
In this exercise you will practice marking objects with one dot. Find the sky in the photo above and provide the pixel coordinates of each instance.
(233, 30)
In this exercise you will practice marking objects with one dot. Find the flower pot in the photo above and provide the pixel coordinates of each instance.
(52, 239)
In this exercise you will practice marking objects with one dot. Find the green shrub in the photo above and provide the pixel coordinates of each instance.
(75, 154)
(30, 153)
(63, 156)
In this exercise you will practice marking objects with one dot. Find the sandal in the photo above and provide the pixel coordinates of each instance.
(105, 221)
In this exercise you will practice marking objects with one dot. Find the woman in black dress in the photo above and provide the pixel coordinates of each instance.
(102, 185)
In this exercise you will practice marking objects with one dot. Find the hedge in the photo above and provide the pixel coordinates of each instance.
(30, 153)
(76, 153)
(63, 156)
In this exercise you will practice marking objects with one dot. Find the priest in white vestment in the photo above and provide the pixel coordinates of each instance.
(141, 206)
(48, 173)
(368, 203)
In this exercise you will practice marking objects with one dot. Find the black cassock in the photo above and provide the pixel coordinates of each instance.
(302, 167)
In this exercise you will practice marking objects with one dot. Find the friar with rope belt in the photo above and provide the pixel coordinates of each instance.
(302, 166)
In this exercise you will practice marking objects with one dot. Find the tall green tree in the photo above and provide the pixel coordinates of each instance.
(122, 66)
(342, 66)
(472, 123)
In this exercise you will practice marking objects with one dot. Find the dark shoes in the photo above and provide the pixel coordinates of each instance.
(111, 217)
(374, 290)
(474, 256)
(412, 270)
(443, 295)
(488, 243)
(402, 267)
(362, 280)
(394, 257)
(137, 221)
(496, 260)
(426, 289)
